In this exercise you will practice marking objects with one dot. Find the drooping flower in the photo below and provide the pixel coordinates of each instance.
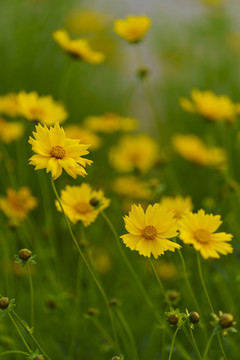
(178, 204)
(86, 136)
(149, 232)
(78, 48)
(82, 203)
(133, 28)
(9, 105)
(54, 152)
(18, 203)
(132, 187)
(134, 152)
(110, 122)
(199, 230)
(10, 130)
(211, 106)
(40, 108)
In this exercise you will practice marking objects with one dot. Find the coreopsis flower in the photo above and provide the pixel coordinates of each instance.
(40, 108)
(178, 204)
(54, 152)
(192, 148)
(199, 230)
(10, 130)
(132, 187)
(133, 28)
(110, 122)
(9, 105)
(149, 232)
(78, 48)
(136, 152)
(211, 106)
(86, 136)
(82, 203)
(18, 203)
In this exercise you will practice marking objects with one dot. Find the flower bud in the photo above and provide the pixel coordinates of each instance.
(173, 319)
(116, 358)
(226, 320)
(194, 317)
(39, 357)
(173, 295)
(94, 201)
(4, 303)
(92, 311)
(113, 302)
(143, 72)
(24, 254)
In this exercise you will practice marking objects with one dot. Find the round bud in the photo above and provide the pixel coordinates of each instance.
(113, 302)
(94, 201)
(143, 72)
(226, 320)
(116, 358)
(51, 304)
(4, 303)
(92, 311)
(194, 317)
(39, 357)
(24, 254)
(173, 295)
(173, 319)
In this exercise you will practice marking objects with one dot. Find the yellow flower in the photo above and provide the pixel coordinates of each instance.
(191, 148)
(9, 105)
(178, 204)
(82, 203)
(54, 151)
(211, 106)
(10, 131)
(110, 123)
(40, 108)
(134, 152)
(199, 230)
(17, 204)
(82, 20)
(133, 28)
(86, 136)
(78, 48)
(132, 187)
(149, 231)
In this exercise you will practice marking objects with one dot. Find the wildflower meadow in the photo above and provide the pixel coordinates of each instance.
(120, 180)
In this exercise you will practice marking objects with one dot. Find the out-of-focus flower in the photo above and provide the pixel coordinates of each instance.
(85, 21)
(102, 261)
(211, 106)
(10, 130)
(133, 28)
(139, 152)
(191, 148)
(110, 122)
(199, 229)
(132, 187)
(178, 204)
(84, 135)
(78, 48)
(78, 205)
(40, 108)
(167, 270)
(17, 204)
(149, 231)
(54, 152)
(9, 105)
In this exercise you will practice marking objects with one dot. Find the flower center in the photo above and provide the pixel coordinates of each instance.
(36, 113)
(58, 152)
(202, 236)
(82, 207)
(149, 232)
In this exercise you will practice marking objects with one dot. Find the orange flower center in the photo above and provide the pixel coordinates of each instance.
(36, 112)
(149, 232)
(82, 207)
(58, 152)
(203, 236)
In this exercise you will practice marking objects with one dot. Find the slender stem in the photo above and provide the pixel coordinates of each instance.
(14, 352)
(32, 295)
(88, 266)
(173, 340)
(159, 282)
(208, 346)
(195, 344)
(19, 332)
(101, 329)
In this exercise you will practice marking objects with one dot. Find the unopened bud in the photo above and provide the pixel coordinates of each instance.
(92, 311)
(173, 319)
(94, 201)
(173, 295)
(39, 357)
(226, 320)
(113, 302)
(194, 317)
(4, 303)
(24, 254)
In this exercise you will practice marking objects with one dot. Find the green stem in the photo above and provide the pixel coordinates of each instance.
(159, 282)
(101, 329)
(88, 267)
(208, 346)
(195, 344)
(14, 352)
(19, 332)
(172, 344)
(32, 295)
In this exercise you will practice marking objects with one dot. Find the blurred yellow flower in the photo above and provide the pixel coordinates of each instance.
(178, 204)
(139, 152)
(17, 204)
(86, 136)
(133, 28)
(149, 231)
(110, 123)
(102, 261)
(132, 187)
(54, 151)
(9, 105)
(199, 230)
(40, 108)
(78, 48)
(191, 148)
(80, 21)
(167, 270)
(211, 106)
(82, 203)
(10, 130)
